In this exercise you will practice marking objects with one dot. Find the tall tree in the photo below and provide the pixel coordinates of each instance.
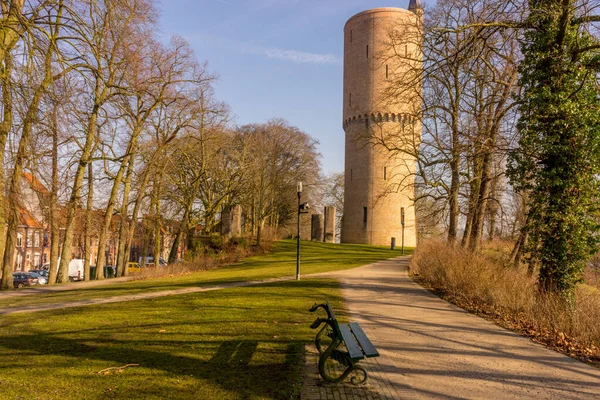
(558, 159)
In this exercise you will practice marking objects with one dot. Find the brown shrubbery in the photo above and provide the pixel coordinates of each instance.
(211, 254)
(486, 283)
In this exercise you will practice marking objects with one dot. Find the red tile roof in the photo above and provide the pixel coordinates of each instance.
(35, 183)
(25, 218)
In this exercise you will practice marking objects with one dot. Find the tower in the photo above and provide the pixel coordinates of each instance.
(381, 51)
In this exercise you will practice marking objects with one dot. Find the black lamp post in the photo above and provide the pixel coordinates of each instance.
(402, 221)
(302, 209)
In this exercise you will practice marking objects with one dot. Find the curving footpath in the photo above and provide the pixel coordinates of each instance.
(433, 350)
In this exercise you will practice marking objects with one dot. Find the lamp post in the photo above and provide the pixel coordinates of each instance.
(402, 221)
(298, 237)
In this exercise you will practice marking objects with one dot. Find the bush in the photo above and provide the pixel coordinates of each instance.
(207, 253)
(487, 283)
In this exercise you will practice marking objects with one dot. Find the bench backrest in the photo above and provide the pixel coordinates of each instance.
(331, 315)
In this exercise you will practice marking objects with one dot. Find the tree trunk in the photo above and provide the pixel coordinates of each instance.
(54, 214)
(17, 176)
(481, 203)
(102, 238)
(67, 247)
(157, 220)
(134, 216)
(454, 192)
(7, 119)
(88, 226)
(183, 229)
(123, 256)
(492, 208)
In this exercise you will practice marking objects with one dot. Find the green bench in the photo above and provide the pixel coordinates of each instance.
(348, 345)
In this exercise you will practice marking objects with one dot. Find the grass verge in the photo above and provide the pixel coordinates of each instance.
(281, 261)
(244, 343)
(486, 284)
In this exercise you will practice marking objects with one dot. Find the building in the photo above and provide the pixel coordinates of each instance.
(33, 248)
(381, 47)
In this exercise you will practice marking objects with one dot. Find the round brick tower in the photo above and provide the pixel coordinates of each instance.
(381, 46)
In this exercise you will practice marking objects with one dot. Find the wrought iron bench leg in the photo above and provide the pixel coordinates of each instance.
(342, 358)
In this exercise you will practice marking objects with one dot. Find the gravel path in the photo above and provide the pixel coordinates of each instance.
(131, 297)
(443, 352)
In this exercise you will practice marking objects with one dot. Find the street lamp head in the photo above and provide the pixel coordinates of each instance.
(299, 187)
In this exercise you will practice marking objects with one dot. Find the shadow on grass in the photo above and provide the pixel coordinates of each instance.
(241, 343)
(230, 367)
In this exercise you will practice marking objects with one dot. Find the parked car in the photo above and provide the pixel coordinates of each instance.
(22, 279)
(43, 272)
(150, 261)
(41, 278)
(133, 267)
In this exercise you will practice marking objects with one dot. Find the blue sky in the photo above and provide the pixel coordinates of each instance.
(275, 59)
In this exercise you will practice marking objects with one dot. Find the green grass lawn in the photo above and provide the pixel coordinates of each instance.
(243, 343)
(239, 343)
(315, 258)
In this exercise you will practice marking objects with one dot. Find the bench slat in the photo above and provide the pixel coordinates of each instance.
(363, 340)
(354, 349)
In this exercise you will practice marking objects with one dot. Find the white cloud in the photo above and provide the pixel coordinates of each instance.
(294, 56)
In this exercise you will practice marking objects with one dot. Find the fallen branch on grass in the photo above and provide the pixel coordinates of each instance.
(119, 369)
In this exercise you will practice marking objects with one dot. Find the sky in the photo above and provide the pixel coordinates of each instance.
(274, 59)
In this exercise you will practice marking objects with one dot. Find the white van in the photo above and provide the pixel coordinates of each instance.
(75, 269)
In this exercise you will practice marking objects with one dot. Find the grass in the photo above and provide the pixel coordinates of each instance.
(486, 283)
(281, 261)
(243, 343)
(238, 343)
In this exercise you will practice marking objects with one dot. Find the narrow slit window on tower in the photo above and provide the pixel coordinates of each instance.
(365, 217)
(405, 50)
(367, 51)
(387, 70)
(350, 174)
(367, 123)
(350, 101)
(350, 35)
(385, 173)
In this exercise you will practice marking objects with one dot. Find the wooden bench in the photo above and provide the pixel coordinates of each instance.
(349, 344)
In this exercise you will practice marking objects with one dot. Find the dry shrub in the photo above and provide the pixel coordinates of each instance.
(488, 284)
(229, 254)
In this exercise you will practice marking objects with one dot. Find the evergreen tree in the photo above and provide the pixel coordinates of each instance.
(558, 159)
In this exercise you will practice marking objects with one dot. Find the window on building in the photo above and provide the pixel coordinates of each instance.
(350, 101)
(364, 217)
(36, 239)
(19, 240)
(387, 71)
(350, 35)
(29, 238)
(28, 256)
(350, 174)
(385, 173)
(367, 51)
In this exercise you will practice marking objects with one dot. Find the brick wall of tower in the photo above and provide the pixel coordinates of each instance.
(378, 184)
